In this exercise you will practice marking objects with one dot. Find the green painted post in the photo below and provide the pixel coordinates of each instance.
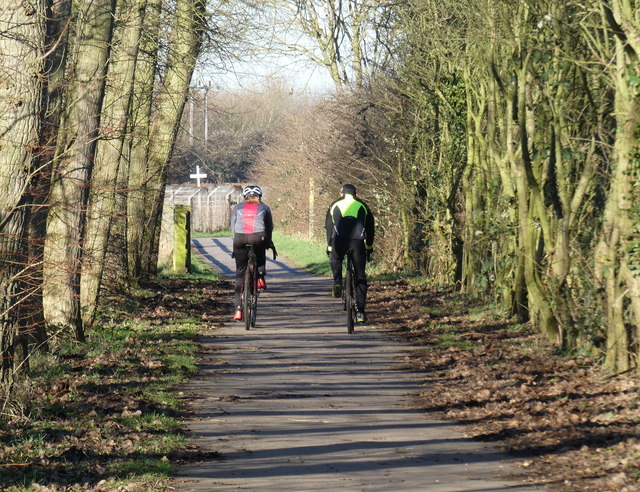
(182, 239)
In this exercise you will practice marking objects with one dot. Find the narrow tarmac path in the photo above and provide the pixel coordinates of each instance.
(297, 404)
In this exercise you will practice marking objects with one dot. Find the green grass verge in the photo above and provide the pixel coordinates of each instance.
(303, 253)
(220, 233)
(199, 271)
(313, 257)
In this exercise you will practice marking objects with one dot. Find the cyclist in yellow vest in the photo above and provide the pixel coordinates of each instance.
(350, 225)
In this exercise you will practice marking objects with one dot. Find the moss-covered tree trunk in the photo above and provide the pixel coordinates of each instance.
(113, 124)
(184, 47)
(617, 256)
(475, 185)
(137, 206)
(73, 164)
(533, 223)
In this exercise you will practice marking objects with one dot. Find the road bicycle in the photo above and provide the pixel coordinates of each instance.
(349, 293)
(250, 290)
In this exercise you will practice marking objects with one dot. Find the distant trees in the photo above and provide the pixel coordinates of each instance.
(224, 132)
(92, 95)
(345, 38)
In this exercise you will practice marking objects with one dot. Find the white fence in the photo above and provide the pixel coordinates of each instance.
(210, 205)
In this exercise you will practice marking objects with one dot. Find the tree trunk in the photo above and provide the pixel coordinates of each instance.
(21, 75)
(531, 219)
(616, 257)
(73, 164)
(184, 47)
(138, 145)
(57, 20)
(113, 122)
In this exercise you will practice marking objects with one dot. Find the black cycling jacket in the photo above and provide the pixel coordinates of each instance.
(349, 218)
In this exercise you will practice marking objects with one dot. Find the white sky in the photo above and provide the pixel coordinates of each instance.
(297, 75)
(265, 42)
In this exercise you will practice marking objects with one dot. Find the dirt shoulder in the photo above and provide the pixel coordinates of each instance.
(574, 428)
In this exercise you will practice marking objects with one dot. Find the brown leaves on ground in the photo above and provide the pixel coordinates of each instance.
(573, 428)
(185, 298)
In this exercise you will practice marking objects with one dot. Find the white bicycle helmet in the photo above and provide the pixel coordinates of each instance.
(252, 190)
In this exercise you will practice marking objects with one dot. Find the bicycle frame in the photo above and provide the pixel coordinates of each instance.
(250, 290)
(349, 293)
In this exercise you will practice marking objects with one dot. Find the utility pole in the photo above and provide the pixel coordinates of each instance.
(191, 117)
(207, 88)
(312, 207)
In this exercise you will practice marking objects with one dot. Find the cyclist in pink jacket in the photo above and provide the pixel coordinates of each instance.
(251, 223)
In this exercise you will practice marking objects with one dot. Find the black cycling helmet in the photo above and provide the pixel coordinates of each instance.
(348, 189)
(252, 190)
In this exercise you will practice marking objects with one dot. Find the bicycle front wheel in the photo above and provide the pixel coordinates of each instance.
(247, 299)
(349, 299)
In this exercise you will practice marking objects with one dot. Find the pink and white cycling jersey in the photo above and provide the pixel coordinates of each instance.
(249, 218)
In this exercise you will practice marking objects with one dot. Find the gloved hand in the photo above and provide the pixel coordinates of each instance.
(272, 247)
(329, 249)
(369, 254)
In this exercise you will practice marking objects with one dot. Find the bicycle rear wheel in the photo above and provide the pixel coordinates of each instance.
(349, 298)
(254, 300)
(247, 298)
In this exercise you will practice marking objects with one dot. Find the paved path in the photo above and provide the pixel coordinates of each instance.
(297, 404)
